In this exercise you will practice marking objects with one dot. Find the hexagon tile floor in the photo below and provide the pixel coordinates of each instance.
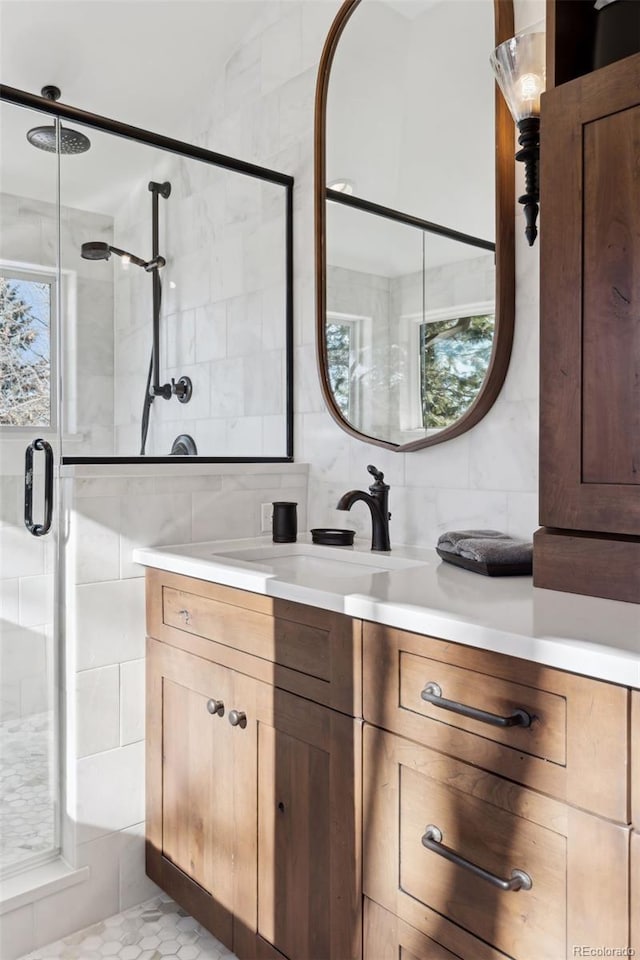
(26, 791)
(156, 930)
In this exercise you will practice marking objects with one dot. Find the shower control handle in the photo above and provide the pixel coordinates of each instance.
(183, 389)
(163, 391)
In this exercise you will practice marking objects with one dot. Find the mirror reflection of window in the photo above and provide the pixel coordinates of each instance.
(26, 309)
(454, 358)
(339, 352)
(344, 360)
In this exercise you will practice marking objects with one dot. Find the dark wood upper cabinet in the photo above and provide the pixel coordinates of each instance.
(590, 321)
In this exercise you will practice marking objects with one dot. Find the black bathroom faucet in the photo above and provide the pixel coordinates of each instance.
(378, 502)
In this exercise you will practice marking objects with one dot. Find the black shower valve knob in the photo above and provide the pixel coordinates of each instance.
(183, 389)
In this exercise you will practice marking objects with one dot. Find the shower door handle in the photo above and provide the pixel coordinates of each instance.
(38, 529)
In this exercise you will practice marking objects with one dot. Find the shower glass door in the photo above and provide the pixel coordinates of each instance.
(30, 296)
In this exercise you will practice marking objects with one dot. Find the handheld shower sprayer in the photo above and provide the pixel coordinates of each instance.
(99, 250)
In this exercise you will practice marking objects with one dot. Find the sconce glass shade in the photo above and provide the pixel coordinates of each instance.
(519, 68)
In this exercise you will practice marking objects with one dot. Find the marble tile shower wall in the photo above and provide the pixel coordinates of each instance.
(107, 514)
(223, 312)
(262, 109)
(28, 240)
(26, 607)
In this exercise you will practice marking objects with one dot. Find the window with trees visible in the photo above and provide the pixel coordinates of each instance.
(454, 359)
(27, 308)
(342, 358)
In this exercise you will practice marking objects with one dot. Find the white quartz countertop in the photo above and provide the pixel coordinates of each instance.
(586, 635)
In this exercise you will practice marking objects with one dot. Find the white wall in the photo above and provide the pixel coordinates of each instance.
(263, 109)
(223, 313)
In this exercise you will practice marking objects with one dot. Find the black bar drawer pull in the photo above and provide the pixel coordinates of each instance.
(432, 693)
(432, 840)
(38, 529)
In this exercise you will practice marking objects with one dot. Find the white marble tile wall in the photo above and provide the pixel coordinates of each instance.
(107, 514)
(489, 475)
(26, 597)
(223, 312)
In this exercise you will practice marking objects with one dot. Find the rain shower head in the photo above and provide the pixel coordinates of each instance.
(45, 138)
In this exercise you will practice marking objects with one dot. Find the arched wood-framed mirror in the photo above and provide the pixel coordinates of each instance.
(415, 285)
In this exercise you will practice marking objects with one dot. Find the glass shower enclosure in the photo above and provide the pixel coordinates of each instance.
(145, 313)
(30, 288)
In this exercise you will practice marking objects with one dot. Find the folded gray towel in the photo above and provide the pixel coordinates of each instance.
(449, 541)
(494, 550)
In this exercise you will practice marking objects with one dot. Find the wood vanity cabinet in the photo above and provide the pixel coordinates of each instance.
(253, 792)
(590, 336)
(291, 827)
(550, 799)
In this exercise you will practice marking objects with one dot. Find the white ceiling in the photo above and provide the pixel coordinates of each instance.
(144, 62)
(148, 63)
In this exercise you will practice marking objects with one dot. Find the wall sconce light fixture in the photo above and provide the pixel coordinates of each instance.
(519, 67)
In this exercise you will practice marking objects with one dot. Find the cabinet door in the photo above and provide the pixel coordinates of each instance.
(590, 336)
(191, 762)
(300, 846)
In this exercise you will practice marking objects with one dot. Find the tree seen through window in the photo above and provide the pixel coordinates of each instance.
(25, 351)
(454, 358)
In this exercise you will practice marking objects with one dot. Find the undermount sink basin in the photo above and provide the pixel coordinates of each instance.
(307, 561)
(302, 571)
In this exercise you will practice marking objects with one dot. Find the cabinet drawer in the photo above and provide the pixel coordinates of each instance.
(544, 713)
(577, 863)
(297, 645)
(573, 745)
(386, 937)
(307, 651)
